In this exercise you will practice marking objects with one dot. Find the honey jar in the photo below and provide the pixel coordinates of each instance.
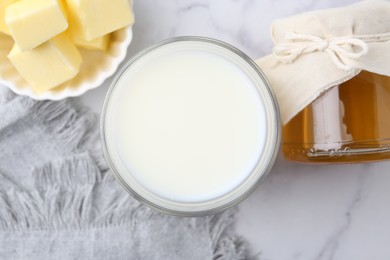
(330, 72)
(348, 123)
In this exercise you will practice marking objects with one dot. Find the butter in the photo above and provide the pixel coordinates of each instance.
(100, 43)
(32, 22)
(91, 19)
(47, 65)
(3, 5)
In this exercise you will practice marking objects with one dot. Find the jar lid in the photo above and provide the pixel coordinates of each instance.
(318, 50)
(190, 126)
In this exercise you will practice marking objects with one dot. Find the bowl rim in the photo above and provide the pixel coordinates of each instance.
(83, 87)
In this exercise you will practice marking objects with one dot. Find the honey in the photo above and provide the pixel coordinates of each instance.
(349, 123)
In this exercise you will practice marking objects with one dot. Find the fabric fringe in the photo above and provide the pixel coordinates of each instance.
(63, 199)
(226, 246)
(75, 171)
(231, 247)
(70, 126)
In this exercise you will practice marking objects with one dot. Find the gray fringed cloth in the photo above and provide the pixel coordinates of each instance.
(59, 201)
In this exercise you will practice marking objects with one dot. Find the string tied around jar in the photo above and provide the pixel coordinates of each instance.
(338, 48)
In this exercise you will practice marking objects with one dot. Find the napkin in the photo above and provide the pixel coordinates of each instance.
(58, 199)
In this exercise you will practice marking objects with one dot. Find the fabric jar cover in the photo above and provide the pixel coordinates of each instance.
(318, 50)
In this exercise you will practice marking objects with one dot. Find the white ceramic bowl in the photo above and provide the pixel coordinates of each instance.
(96, 67)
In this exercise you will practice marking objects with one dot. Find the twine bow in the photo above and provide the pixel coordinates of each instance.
(338, 48)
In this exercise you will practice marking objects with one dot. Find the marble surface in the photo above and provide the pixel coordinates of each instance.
(302, 212)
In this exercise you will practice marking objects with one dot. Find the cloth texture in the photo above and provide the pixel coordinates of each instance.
(319, 50)
(58, 199)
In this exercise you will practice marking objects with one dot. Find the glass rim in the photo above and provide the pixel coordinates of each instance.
(186, 210)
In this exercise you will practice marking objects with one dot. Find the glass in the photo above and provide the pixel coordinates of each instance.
(349, 123)
(199, 208)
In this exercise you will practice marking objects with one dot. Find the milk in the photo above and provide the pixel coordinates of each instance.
(186, 124)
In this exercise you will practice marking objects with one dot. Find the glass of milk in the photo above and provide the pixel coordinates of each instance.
(190, 126)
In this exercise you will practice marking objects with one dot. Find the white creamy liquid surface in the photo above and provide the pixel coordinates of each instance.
(189, 125)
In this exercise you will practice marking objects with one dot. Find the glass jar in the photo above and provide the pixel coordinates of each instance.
(347, 124)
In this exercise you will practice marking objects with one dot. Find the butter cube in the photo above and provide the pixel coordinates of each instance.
(91, 19)
(32, 22)
(3, 5)
(100, 43)
(49, 64)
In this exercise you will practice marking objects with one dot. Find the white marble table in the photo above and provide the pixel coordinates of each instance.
(335, 212)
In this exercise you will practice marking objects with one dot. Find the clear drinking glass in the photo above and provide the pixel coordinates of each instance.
(271, 129)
